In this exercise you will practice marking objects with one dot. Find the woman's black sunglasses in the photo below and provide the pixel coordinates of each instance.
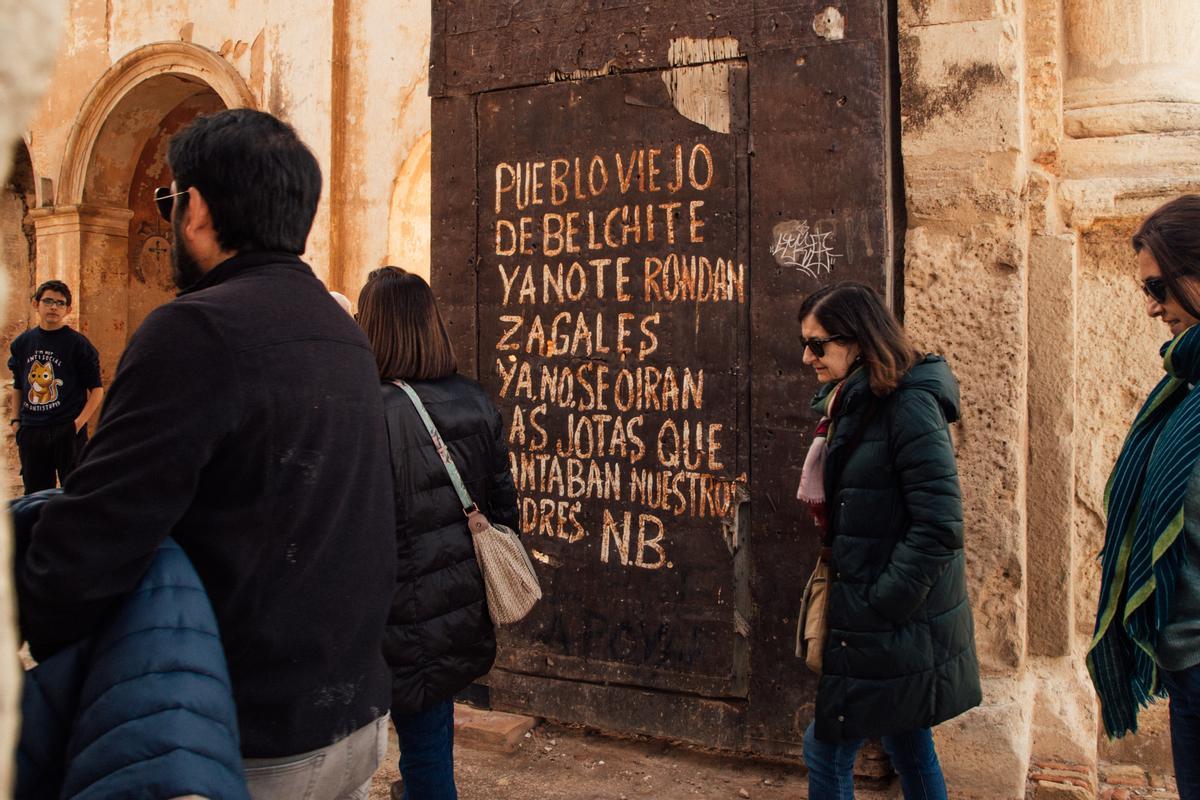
(164, 198)
(1155, 289)
(817, 346)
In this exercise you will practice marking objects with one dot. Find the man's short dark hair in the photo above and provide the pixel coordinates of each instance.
(260, 181)
(52, 286)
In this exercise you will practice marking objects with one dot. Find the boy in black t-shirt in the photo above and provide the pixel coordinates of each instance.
(56, 390)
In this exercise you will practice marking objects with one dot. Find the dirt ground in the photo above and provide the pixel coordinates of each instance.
(556, 762)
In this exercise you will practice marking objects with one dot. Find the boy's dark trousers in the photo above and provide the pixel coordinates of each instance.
(47, 451)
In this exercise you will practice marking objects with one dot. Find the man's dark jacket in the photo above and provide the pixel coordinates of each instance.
(901, 647)
(439, 635)
(245, 421)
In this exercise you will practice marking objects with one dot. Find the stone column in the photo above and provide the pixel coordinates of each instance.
(88, 247)
(1131, 99)
(1051, 492)
(1133, 67)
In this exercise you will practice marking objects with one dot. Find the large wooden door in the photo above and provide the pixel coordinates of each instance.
(630, 203)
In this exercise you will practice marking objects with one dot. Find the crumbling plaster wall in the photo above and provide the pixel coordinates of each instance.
(355, 91)
(387, 145)
(286, 66)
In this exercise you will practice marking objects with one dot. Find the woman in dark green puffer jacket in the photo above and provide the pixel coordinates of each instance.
(882, 482)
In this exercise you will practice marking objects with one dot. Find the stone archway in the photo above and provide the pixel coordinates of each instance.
(103, 235)
(182, 61)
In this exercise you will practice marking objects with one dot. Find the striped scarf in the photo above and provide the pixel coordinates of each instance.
(1142, 546)
(812, 476)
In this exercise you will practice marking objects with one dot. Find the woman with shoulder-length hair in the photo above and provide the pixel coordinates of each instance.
(439, 637)
(882, 484)
(1147, 637)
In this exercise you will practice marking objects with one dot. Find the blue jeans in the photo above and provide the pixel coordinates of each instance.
(427, 752)
(1184, 689)
(831, 766)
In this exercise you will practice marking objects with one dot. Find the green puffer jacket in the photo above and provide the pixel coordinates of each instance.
(901, 647)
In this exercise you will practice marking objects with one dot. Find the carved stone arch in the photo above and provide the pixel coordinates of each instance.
(183, 64)
(103, 234)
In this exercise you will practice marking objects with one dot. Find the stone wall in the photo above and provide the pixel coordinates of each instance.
(965, 283)
(17, 255)
(351, 76)
(1035, 135)
(28, 40)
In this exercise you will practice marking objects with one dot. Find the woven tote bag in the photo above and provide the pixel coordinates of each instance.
(508, 577)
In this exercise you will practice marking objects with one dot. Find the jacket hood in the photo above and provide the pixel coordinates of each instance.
(932, 374)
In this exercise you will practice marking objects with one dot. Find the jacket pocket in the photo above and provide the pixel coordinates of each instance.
(879, 655)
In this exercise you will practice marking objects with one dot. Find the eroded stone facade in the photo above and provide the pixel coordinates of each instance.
(1035, 135)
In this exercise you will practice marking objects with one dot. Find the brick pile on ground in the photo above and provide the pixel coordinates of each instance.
(1129, 781)
(1053, 780)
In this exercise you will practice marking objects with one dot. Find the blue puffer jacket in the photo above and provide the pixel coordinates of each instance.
(143, 710)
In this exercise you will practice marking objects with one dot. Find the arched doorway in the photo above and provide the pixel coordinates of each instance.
(104, 236)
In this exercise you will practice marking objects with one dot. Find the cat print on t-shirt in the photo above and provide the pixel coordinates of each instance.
(43, 386)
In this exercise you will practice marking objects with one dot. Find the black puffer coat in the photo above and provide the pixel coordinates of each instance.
(901, 648)
(439, 636)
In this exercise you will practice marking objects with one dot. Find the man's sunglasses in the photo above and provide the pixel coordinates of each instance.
(1155, 289)
(817, 346)
(164, 198)
(54, 302)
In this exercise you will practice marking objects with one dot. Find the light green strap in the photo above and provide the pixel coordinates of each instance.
(440, 445)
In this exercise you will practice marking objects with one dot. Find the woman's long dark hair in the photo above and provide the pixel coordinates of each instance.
(854, 310)
(400, 316)
(1172, 235)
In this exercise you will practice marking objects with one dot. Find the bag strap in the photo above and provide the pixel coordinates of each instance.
(439, 444)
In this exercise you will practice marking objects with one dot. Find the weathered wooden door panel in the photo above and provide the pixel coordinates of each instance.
(454, 219)
(672, 572)
(612, 307)
(483, 45)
